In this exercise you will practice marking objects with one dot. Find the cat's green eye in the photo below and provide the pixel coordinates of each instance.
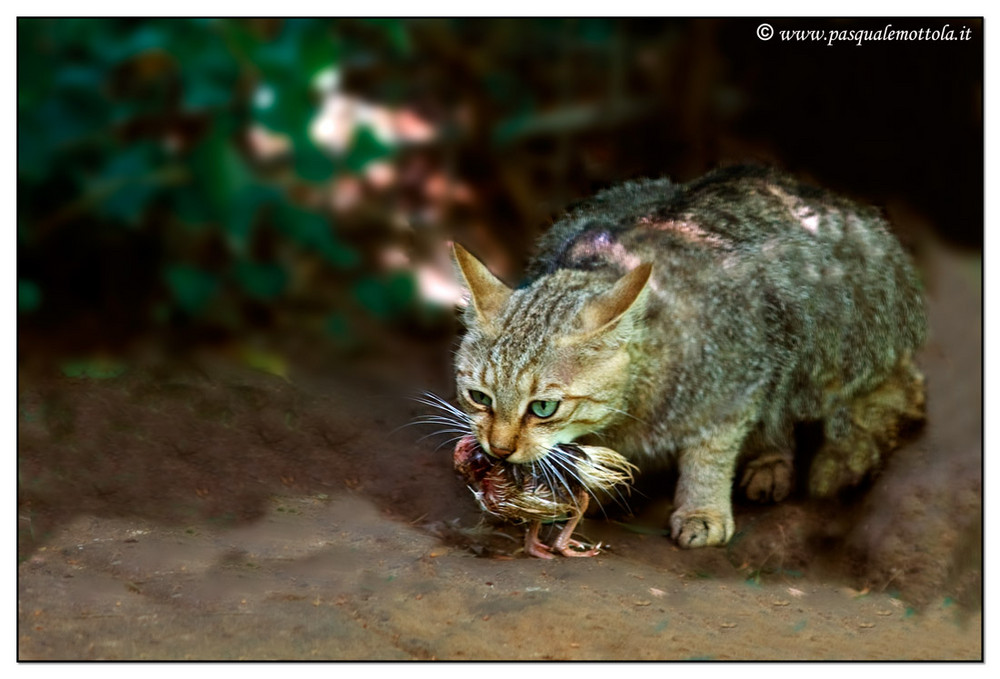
(480, 398)
(543, 408)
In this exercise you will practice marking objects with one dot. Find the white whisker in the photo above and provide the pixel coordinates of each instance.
(554, 461)
(570, 465)
(619, 500)
(447, 420)
(623, 412)
(438, 419)
(449, 441)
(538, 469)
(461, 434)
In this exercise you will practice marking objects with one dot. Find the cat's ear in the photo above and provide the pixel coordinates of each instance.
(488, 293)
(614, 311)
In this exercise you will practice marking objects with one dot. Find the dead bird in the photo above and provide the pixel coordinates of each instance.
(535, 493)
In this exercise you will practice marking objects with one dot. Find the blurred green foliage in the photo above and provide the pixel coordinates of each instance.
(98, 369)
(141, 199)
(137, 129)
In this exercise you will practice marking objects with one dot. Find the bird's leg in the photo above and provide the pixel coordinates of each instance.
(534, 546)
(565, 544)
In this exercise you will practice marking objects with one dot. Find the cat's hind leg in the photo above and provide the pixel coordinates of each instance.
(768, 473)
(858, 435)
(769, 477)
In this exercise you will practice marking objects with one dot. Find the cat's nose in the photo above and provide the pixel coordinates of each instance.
(502, 453)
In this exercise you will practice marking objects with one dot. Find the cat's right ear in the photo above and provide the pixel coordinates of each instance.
(612, 314)
(488, 293)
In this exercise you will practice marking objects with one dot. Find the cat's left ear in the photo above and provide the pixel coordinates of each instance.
(615, 311)
(488, 292)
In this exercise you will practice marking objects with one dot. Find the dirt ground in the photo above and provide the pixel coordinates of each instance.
(200, 509)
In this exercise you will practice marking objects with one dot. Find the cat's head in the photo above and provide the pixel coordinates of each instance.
(548, 363)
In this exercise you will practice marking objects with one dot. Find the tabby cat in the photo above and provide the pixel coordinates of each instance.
(697, 324)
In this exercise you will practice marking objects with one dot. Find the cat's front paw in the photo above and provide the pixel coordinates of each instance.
(701, 526)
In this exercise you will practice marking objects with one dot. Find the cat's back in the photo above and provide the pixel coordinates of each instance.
(745, 213)
(775, 274)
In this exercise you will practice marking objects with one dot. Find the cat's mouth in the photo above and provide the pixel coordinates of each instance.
(515, 491)
(473, 461)
(513, 458)
(545, 488)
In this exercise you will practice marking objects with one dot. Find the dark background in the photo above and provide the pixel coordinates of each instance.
(148, 213)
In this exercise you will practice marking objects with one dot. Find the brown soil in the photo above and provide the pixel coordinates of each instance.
(204, 510)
